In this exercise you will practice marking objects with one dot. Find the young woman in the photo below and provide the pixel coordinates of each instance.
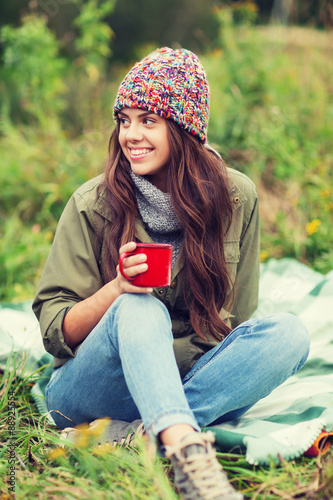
(180, 357)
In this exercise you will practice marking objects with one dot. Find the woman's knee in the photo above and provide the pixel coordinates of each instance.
(140, 305)
(292, 336)
(141, 313)
(291, 327)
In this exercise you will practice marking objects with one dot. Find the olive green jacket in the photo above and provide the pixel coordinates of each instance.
(74, 269)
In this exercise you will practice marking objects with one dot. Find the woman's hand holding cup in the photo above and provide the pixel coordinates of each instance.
(145, 265)
(132, 264)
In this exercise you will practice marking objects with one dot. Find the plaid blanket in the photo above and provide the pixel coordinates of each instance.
(288, 421)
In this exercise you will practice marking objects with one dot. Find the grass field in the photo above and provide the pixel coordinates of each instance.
(33, 462)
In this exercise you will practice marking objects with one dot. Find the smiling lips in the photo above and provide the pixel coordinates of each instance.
(139, 153)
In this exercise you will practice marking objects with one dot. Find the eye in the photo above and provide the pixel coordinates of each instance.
(123, 121)
(148, 121)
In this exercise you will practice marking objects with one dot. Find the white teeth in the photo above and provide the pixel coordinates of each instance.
(138, 152)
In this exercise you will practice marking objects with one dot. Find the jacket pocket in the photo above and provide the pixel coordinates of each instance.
(232, 255)
(231, 252)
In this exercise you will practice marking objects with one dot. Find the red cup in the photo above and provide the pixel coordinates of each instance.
(159, 260)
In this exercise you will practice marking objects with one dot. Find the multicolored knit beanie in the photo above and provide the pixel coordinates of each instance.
(172, 84)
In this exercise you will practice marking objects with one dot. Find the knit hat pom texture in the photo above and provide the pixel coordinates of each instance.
(172, 84)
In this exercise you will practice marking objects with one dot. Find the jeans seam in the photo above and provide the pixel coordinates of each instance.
(217, 353)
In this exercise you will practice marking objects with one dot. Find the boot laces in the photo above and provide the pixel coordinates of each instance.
(200, 471)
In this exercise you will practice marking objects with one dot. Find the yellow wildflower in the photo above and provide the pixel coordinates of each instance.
(49, 236)
(81, 435)
(56, 453)
(312, 227)
(86, 434)
(264, 255)
(98, 427)
(325, 193)
(82, 439)
(102, 449)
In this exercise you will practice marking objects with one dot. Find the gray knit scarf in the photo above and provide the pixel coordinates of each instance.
(158, 214)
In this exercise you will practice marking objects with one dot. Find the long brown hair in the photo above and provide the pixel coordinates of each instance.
(198, 186)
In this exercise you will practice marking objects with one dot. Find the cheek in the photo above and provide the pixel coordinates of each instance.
(165, 146)
(122, 143)
(121, 139)
(167, 151)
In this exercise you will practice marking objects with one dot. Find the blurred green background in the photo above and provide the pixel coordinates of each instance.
(270, 68)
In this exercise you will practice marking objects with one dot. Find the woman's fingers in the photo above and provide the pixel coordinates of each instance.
(128, 247)
(133, 264)
(134, 260)
(132, 271)
(127, 287)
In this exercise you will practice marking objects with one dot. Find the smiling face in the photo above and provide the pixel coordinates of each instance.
(143, 137)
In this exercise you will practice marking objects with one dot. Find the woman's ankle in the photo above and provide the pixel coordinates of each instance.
(174, 434)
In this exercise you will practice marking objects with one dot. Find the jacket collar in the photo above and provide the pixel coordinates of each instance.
(102, 208)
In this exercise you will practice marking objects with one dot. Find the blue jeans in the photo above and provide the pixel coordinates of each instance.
(125, 369)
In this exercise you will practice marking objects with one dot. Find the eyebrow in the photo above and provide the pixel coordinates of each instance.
(144, 113)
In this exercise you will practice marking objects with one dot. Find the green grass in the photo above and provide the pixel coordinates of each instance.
(272, 119)
(44, 469)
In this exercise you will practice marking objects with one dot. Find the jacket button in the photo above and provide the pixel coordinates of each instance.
(161, 291)
(173, 284)
(236, 199)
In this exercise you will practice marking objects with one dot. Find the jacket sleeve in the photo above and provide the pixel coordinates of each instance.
(71, 274)
(247, 275)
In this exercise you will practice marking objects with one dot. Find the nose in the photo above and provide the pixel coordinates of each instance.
(134, 132)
